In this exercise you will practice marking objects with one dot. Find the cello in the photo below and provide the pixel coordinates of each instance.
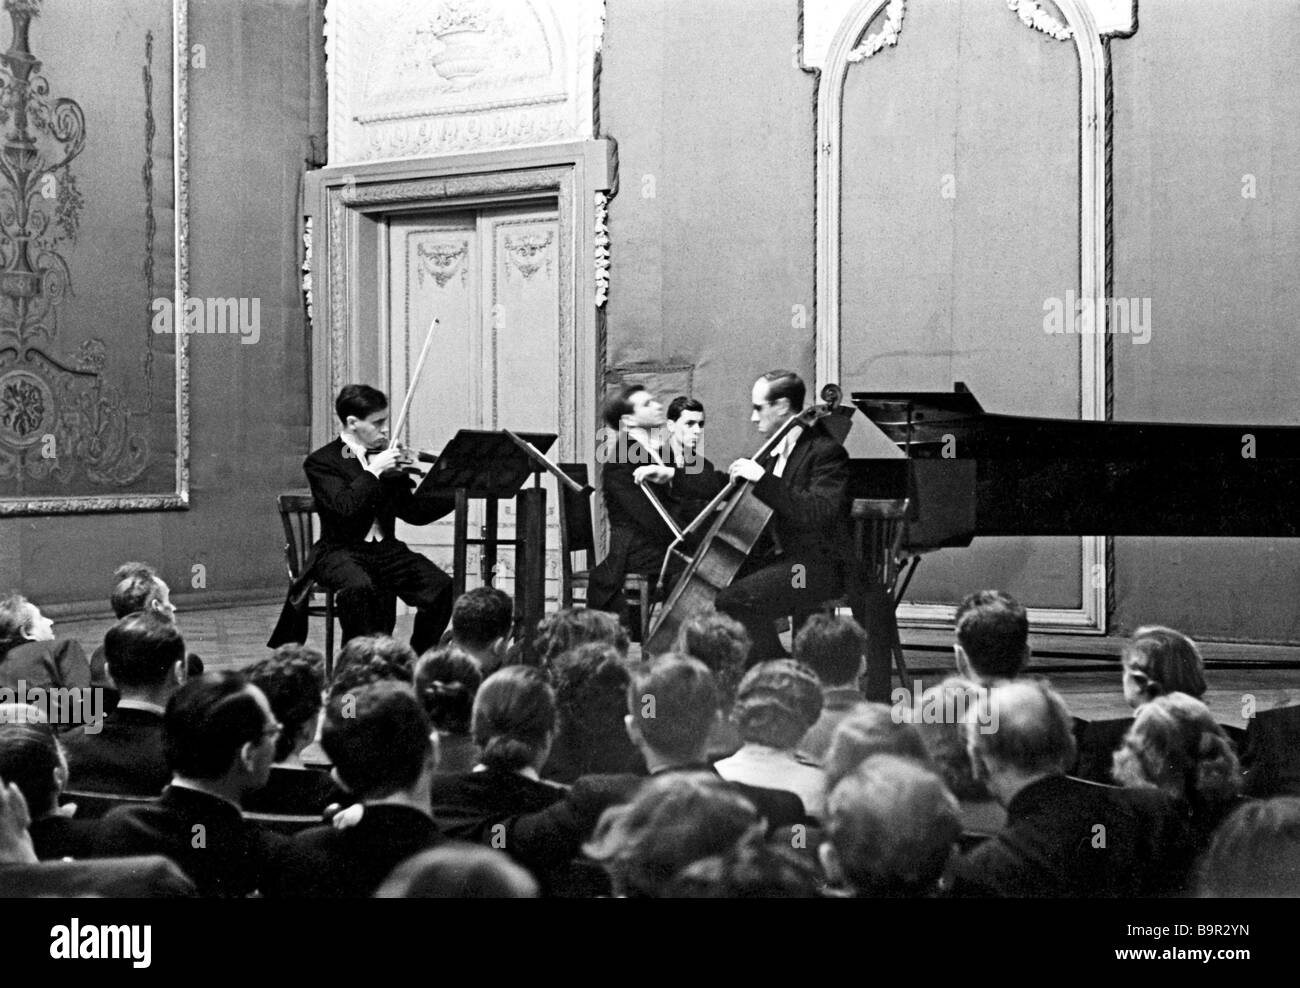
(741, 519)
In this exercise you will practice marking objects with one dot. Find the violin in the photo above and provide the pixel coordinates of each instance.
(739, 518)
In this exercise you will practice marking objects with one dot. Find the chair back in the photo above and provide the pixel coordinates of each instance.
(879, 525)
(1271, 753)
(577, 533)
(297, 515)
(283, 823)
(93, 805)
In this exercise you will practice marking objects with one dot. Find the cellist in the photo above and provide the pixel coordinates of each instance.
(806, 555)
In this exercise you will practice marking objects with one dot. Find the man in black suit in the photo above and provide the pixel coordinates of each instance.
(360, 492)
(672, 705)
(1064, 838)
(379, 740)
(37, 668)
(219, 738)
(145, 655)
(806, 556)
(694, 480)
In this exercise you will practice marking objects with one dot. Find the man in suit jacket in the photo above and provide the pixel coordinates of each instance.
(360, 492)
(1064, 838)
(37, 668)
(379, 740)
(808, 558)
(219, 737)
(694, 480)
(145, 655)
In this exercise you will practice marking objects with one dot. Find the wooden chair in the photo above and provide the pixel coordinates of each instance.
(297, 515)
(577, 534)
(93, 805)
(280, 823)
(878, 529)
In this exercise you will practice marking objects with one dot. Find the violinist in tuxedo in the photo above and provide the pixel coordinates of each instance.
(805, 556)
(360, 492)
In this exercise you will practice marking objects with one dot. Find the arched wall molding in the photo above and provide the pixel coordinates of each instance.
(843, 50)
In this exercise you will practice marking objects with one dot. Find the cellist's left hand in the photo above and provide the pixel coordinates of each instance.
(746, 470)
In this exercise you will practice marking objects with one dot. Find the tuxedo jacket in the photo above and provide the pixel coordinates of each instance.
(349, 499)
(125, 758)
(325, 863)
(207, 837)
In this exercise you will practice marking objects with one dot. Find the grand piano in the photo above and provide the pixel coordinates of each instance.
(966, 473)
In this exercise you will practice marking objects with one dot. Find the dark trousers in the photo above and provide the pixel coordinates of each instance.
(786, 587)
(364, 577)
(629, 552)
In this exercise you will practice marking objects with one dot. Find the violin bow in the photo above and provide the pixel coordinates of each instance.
(410, 391)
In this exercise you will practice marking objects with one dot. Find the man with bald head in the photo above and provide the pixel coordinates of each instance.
(1064, 838)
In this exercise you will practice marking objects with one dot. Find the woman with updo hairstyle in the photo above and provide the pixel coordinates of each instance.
(1176, 746)
(447, 681)
(513, 725)
(1158, 661)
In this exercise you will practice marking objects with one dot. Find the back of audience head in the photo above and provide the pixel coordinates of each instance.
(138, 587)
(22, 713)
(446, 681)
(369, 659)
(514, 719)
(293, 679)
(481, 621)
(674, 820)
(459, 871)
(144, 652)
(1255, 852)
(891, 825)
(20, 620)
(378, 737)
(570, 627)
(218, 727)
(751, 869)
(869, 730)
(1176, 745)
(31, 759)
(776, 703)
(1158, 661)
(992, 636)
(833, 647)
(1019, 731)
(672, 703)
(591, 699)
(944, 736)
(721, 643)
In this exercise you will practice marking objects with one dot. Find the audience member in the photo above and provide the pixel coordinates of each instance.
(835, 648)
(145, 656)
(891, 827)
(1064, 838)
(31, 759)
(458, 870)
(570, 627)
(293, 679)
(1255, 853)
(481, 621)
(776, 703)
(992, 637)
(721, 643)
(870, 730)
(674, 820)
(591, 700)
(944, 737)
(378, 738)
(219, 740)
(752, 869)
(369, 659)
(1176, 746)
(447, 681)
(31, 659)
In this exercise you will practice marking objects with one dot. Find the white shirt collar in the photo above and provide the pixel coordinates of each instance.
(360, 452)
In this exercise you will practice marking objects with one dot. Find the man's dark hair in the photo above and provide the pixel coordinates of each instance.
(570, 627)
(207, 721)
(832, 647)
(683, 403)
(134, 585)
(591, 699)
(141, 650)
(292, 679)
(446, 681)
(378, 739)
(29, 754)
(786, 384)
(993, 631)
(721, 643)
(618, 404)
(480, 616)
(674, 702)
(360, 400)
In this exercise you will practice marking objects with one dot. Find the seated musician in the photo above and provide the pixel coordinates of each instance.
(694, 480)
(806, 555)
(360, 491)
(638, 536)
